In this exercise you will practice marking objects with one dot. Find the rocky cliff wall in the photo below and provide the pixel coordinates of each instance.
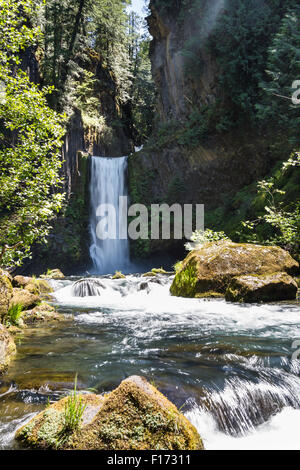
(174, 166)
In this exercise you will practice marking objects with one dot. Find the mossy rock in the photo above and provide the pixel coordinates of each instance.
(45, 430)
(119, 275)
(215, 264)
(7, 348)
(135, 416)
(149, 274)
(209, 295)
(25, 298)
(53, 274)
(21, 281)
(6, 293)
(32, 285)
(40, 314)
(267, 288)
(39, 287)
(297, 279)
(159, 271)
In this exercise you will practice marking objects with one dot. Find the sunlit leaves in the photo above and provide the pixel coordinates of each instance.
(31, 138)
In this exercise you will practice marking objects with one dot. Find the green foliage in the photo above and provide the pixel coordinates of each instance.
(143, 89)
(200, 237)
(95, 50)
(73, 411)
(178, 266)
(30, 137)
(285, 221)
(13, 315)
(283, 68)
(266, 212)
(257, 49)
(195, 128)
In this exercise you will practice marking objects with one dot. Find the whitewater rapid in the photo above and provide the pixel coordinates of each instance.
(256, 405)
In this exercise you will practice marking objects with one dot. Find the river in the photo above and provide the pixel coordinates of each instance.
(228, 366)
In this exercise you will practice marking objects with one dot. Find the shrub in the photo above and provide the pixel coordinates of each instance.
(200, 237)
(73, 411)
(14, 314)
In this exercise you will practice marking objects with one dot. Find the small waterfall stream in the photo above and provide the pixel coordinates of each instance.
(108, 184)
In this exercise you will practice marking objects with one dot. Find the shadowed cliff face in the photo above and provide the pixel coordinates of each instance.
(187, 77)
(179, 92)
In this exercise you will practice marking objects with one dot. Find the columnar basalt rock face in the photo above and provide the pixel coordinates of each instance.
(135, 416)
(179, 92)
(212, 170)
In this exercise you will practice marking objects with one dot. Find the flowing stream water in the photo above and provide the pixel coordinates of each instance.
(228, 365)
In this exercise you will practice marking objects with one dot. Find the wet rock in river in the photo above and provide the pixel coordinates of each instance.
(25, 298)
(135, 416)
(41, 313)
(53, 274)
(268, 288)
(212, 267)
(149, 274)
(118, 275)
(34, 286)
(87, 288)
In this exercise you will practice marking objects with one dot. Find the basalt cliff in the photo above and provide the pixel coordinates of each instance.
(204, 148)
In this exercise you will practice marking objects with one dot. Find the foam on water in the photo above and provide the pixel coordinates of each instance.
(281, 432)
(230, 362)
(124, 297)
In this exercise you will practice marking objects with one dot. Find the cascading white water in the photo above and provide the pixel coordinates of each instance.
(108, 183)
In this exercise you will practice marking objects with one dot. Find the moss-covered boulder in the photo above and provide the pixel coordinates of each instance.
(25, 298)
(7, 348)
(40, 314)
(135, 416)
(215, 264)
(21, 281)
(149, 274)
(159, 271)
(265, 288)
(119, 275)
(6, 292)
(34, 286)
(53, 274)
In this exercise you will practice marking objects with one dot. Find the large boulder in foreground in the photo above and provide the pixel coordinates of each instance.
(265, 288)
(210, 270)
(135, 416)
(7, 348)
(6, 292)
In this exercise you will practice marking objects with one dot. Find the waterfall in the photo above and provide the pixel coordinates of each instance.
(108, 183)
